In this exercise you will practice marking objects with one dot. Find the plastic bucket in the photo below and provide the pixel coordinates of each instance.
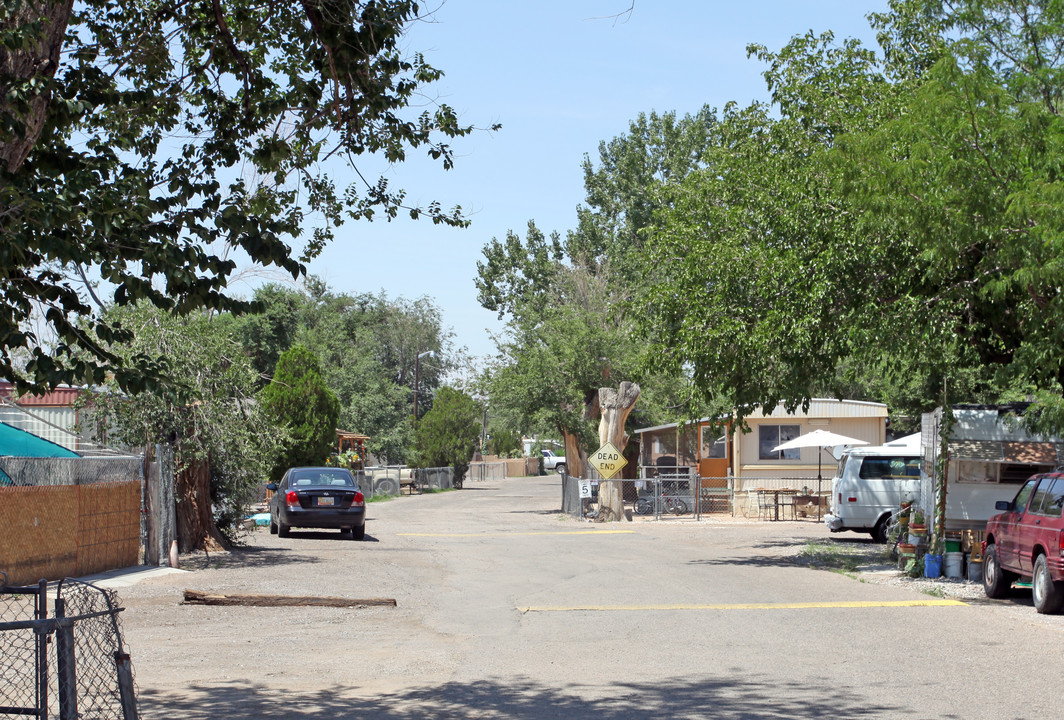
(953, 546)
(975, 571)
(953, 565)
(932, 565)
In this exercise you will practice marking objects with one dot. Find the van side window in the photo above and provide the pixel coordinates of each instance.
(889, 467)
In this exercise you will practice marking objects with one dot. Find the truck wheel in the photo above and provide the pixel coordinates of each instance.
(560, 468)
(1047, 593)
(996, 580)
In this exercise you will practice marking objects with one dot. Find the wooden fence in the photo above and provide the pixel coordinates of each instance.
(57, 531)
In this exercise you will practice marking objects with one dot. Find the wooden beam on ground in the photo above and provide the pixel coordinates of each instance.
(196, 597)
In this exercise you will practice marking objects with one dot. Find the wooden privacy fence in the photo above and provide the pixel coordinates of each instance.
(57, 531)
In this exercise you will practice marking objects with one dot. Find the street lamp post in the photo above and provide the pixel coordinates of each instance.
(417, 376)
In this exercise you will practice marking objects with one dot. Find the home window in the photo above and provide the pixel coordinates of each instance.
(769, 436)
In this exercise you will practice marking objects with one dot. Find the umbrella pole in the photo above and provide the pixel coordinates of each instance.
(819, 457)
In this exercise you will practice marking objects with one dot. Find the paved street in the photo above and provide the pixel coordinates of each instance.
(506, 609)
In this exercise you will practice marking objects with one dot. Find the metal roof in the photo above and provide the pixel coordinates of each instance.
(818, 408)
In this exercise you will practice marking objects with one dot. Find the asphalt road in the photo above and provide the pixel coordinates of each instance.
(507, 609)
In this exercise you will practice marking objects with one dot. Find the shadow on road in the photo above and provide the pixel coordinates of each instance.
(720, 697)
(246, 557)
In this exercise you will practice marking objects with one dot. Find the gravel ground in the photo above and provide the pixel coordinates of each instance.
(868, 562)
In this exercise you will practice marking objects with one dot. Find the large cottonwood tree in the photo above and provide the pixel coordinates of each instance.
(149, 144)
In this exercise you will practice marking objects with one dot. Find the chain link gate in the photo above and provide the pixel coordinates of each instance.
(85, 674)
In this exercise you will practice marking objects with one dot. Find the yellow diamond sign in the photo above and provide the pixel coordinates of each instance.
(608, 461)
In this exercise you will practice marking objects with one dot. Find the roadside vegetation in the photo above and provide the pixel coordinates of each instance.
(845, 558)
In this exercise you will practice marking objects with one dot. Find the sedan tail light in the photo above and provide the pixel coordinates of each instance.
(358, 499)
(292, 498)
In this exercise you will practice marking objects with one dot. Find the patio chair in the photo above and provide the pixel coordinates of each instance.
(786, 503)
(766, 504)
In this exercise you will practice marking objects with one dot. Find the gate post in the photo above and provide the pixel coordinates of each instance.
(41, 612)
(65, 664)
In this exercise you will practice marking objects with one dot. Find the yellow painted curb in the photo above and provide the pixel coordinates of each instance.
(519, 534)
(750, 606)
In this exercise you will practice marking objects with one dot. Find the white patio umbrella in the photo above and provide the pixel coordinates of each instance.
(818, 439)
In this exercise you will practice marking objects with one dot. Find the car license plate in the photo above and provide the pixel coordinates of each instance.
(325, 501)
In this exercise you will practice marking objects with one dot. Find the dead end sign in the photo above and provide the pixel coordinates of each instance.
(608, 461)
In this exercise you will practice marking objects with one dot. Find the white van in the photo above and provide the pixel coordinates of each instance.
(872, 482)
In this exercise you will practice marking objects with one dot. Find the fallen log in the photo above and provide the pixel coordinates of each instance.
(196, 597)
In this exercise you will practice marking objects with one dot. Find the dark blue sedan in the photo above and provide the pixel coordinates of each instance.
(318, 497)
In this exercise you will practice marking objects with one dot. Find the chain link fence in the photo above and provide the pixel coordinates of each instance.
(38, 472)
(71, 665)
(393, 480)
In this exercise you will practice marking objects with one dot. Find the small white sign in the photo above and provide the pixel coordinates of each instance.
(585, 489)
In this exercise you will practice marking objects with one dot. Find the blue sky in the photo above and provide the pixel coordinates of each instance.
(560, 77)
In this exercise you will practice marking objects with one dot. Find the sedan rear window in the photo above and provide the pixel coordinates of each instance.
(322, 477)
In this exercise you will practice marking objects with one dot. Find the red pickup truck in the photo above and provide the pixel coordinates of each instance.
(1026, 540)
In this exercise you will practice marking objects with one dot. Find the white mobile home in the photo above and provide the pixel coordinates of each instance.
(988, 458)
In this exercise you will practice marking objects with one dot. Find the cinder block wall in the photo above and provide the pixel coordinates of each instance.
(58, 531)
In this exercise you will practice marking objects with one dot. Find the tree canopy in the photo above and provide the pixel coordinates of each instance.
(367, 345)
(145, 149)
(894, 213)
(569, 302)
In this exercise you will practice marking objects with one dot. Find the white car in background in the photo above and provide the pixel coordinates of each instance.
(553, 462)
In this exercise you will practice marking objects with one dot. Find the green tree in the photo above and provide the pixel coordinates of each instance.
(299, 401)
(366, 345)
(449, 433)
(570, 328)
(145, 144)
(894, 215)
(207, 413)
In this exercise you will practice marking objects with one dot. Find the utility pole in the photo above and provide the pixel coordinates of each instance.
(417, 376)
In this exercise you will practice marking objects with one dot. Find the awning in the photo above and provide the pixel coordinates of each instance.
(996, 451)
(19, 443)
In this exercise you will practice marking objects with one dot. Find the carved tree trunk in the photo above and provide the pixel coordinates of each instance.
(615, 406)
(39, 61)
